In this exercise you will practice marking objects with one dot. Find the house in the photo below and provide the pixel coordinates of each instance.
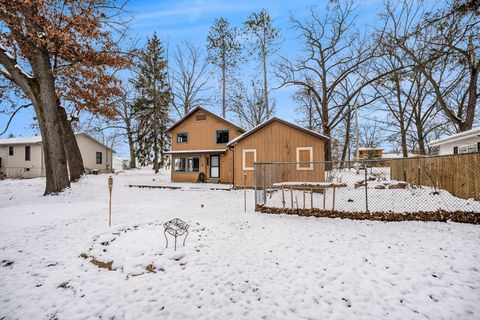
(224, 152)
(22, 157)
(463, 142)
(199, 144)
(120, 163)
(370, 153)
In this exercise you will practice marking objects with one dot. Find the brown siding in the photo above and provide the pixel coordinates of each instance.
(201, 134)
(188, 176)
(277, 142)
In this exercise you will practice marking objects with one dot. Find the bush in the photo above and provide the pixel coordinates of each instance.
(201, 177)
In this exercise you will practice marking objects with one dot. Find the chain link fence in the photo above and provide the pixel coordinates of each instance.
(371, 186)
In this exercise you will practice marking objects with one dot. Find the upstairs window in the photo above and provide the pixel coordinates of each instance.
(455, 150)
(27, 153)
(10, 151)
(182, 137)
(223, 136)
(99, 158)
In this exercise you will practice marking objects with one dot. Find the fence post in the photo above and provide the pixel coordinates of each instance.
(264, 185)
(311, 198)
(245, 191)
(366, 185)
(255, 183)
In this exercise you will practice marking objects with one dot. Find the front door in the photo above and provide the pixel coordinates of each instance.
(214, 166)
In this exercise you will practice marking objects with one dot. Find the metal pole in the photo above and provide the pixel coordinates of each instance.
(255, 182)
(245, 191)
(357, 152)
(366, 190)
(264, 185)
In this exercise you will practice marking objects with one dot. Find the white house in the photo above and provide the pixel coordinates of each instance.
(463, 142)
(120, 163)
(22, 157)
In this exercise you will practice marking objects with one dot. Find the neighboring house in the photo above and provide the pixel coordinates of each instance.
(463, 142)
(397, 155)
(22, 157)
(370, 153)
(120, 163)
(224, 152)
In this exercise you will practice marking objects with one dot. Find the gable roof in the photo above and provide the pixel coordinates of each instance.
(21, 140)
(274, 119)
(38, 139)
(189, 113)
(475, 132)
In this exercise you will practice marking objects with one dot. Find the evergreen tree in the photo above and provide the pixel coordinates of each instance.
(152, 103)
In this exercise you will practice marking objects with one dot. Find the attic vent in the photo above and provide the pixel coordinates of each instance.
(201, 117)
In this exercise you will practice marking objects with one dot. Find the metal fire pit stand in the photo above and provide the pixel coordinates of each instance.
(176, 228)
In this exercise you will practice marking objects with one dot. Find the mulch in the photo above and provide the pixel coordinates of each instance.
(438, 216)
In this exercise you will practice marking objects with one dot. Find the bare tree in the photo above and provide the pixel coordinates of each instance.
(189, 78)
(451, 38)
(370, 134)
(306, 109)
(248, 104)
(333, 53)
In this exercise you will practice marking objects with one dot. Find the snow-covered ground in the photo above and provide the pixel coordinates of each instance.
(235, 265)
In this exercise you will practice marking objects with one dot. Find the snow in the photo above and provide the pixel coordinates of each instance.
(21, 140)
(308, 184)
(352, 198)
(234, 265)
(9, 55)
(25, 73)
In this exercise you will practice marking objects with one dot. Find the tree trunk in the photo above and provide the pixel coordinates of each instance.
(345, 149)
(155, 152)
(403, 138)
(131, 147)
(224, 83)
(421, 139)
(46, 107)
(265, 84)
(55, 159)
(74, 157)
(472, 88)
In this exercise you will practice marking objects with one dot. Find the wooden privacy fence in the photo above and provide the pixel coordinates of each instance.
(458, 174)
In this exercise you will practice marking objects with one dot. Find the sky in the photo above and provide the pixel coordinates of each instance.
(177, 21)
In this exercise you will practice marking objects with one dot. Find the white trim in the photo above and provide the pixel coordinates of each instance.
(196, 151)
(244, 158)
(310, 167)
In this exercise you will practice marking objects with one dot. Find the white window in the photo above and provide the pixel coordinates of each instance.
(249, 158)
(304, 158)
